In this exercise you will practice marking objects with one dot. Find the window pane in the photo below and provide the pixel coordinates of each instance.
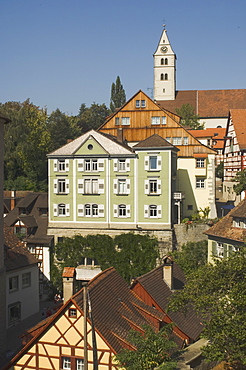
(155, 120)
(66, 363)
(153, 162)
(80, 364)
(153, 186)
(125, 120)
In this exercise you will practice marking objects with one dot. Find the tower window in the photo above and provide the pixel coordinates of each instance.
(166, 76)
(162, 76)
(162, 61)
(166, 61)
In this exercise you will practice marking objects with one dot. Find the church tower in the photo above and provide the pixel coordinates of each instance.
(164, 70)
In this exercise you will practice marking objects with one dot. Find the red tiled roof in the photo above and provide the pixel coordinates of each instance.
(68, 272)
(216, 134)
(208, 103)
(238, 117)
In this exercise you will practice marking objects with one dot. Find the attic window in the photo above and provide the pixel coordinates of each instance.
(72, 312)
(90, 146)
(22, 211)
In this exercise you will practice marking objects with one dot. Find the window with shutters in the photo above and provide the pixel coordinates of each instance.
(61, 186)
(91, 210)
(90, 165)
(153, 187)
(61, 209)
(122, 165)
(152, 211)
(122, 210)
(122, 186)
(91, 186)
(61, 165)
(153, 163)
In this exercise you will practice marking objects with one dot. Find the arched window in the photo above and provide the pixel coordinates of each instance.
(122, 210)
(166, 61)
(166, 76)
(162, 61)
(91, 210)
(61, 209)
(162, 76)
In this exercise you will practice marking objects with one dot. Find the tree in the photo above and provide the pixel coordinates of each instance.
(219, 171)
(151, 350)
(191, 256)
(118, 95)
(240, 178)
(218, 293)
(189, 118)
(93, 117)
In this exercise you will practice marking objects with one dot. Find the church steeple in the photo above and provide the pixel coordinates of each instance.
(164, 70)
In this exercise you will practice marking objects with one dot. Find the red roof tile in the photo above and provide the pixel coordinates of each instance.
(238, 117)
(68, 272)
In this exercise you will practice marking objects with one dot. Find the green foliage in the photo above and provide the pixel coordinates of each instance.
(118, 95)
(132, 255)
(191, 256)
(219, 171)
(240, 179)
(218, 293)
(93, 117)
(189, 118)
(205, 212)
(152, 349)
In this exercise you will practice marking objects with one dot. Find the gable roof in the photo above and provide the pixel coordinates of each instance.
(224, 228)
(161, 293)
(34, 219)
(238, 117)
(155, 141)
(115, 308)
(111, 146)
(208, 103)
(17, 256)
(216, 134)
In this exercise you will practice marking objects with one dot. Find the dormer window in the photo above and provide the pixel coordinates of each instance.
(22, 211)
(236, 222)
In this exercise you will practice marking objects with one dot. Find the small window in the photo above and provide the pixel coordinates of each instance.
(125, 121)
(91, 210)
(185, 140)
(166, 76)
(137, 103)
(61, 186)
(14, 313)
(220, 250)
(26, 280)
(66, 363)
(61, 209)
(164, 120)
(79, 364)
(200, 162)
(72, 312)
(153, 162)
(190, 207)
(13, 284)
(162, 61)
(121, 165)
(152, 186)
(152, 211)
(155, 120)
(162, 76)
(90, 165)
(200, 183)
(117, 121)
(166, 61)
(122, 210)
(143, 103)
(177, 140)
(90, 146)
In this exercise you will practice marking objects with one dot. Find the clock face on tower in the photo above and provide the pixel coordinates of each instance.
(163, 49)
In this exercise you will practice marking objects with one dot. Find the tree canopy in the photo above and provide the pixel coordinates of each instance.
(132, 255)
(189, 118)
(93, 117)
(118, 95)
(240, 179)
(152, 349)
(218, 293)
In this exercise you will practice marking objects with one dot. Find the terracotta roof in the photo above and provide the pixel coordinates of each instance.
(17, 256)
(238, 117)
(68, 272)
(158, 289)
(216, 134)
(224, 228)
(154, 141)
(208, 103)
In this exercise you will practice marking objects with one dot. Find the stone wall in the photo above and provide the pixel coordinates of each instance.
(191, 233)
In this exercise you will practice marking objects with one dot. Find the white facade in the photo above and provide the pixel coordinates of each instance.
(22, 294)
(164, 70)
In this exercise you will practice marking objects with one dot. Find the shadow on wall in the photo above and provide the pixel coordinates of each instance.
(189, 205)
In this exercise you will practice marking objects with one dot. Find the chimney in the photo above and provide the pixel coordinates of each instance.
(12, 199)
(120, 135)
(168, 271)
(68, 279)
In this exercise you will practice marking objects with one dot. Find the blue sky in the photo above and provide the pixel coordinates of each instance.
(61, 53)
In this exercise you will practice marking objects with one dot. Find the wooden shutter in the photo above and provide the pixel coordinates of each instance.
(128, 210)
(55, 186)
(67, 210)
(127, 164)
(115, 186)
(159, 162)
(80, 165)
(127, 186)
(100, 210)
(100, 165)
(81, 210)
(55, 163)
(81, 186)
(146, 163)
(66, 165)
(158, 186)
(146, 186)
(146, 211)
(67, 186)
(159, 213)
(115, 164)
(55, 213)
(100, 186)
(115, 210)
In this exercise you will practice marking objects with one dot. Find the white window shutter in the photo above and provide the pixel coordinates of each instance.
(55, 209)
(115, 210)
(55, 165)
(127, 164)
(127, 186)
(115, 164)
(67, 186)
(66, 165)
(100, 164)
(115, 186)
(68, 210)
(158, 186)
(55, 186)
(80, 165)
(146, 186)
(158, 162)
(146, 211)
(81, 186)
(159, 215)
(128, 210)
(101, 210)
(146, 163)
(81, 210)
(100, 186)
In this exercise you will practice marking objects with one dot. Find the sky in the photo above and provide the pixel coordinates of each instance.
(62, 53)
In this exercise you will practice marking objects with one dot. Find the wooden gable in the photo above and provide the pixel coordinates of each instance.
(141, 117)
